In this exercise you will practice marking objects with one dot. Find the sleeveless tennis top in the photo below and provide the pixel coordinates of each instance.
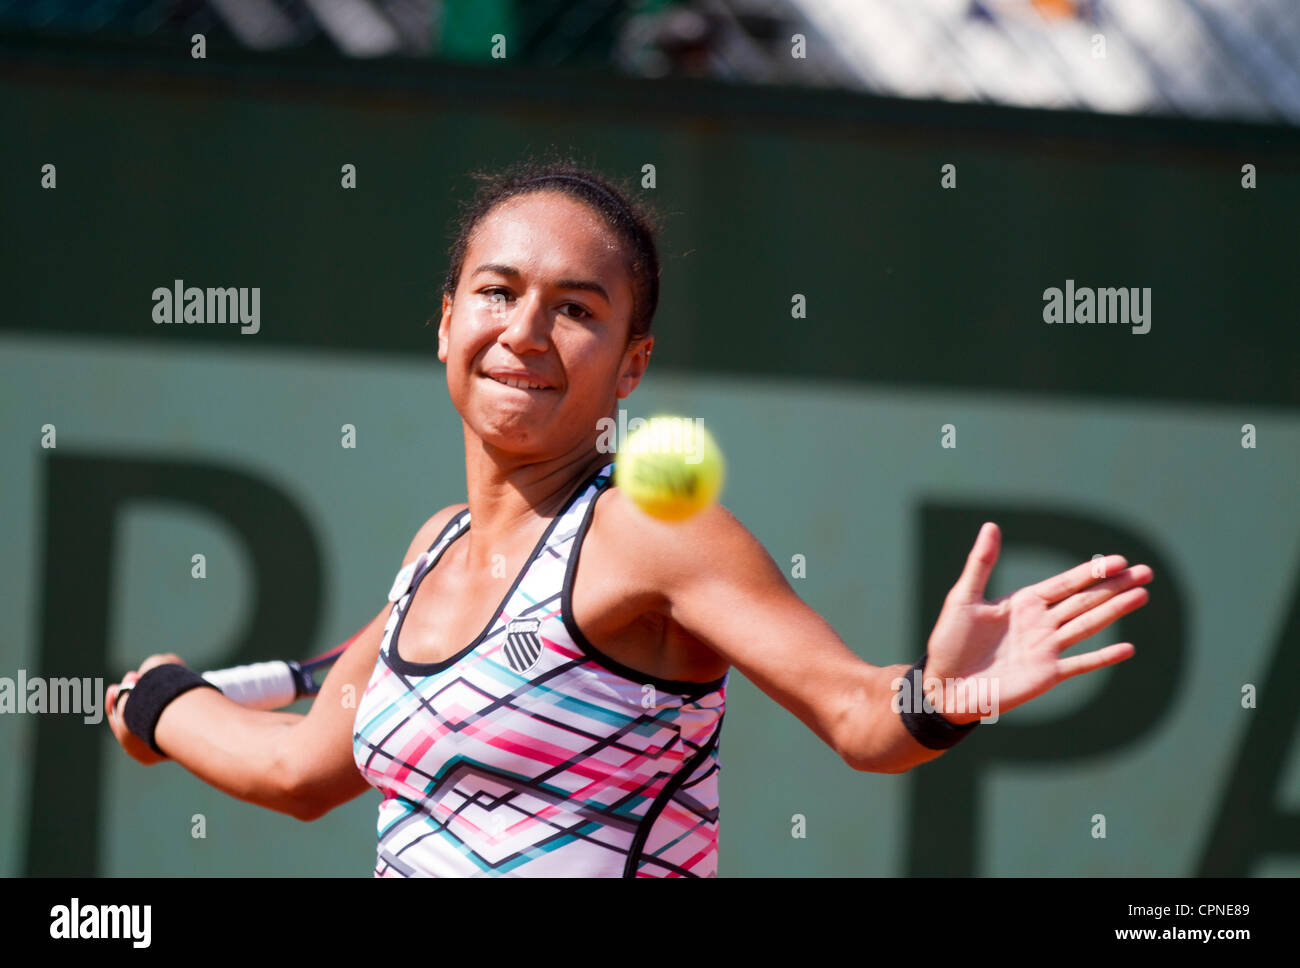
(530, 753)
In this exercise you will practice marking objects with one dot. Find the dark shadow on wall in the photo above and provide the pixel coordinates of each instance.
(83, 499)
(944, 816)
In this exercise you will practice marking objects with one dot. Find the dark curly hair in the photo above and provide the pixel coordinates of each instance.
(634, 222)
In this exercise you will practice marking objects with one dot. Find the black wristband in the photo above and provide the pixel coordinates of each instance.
(930, 729)
(151, 694)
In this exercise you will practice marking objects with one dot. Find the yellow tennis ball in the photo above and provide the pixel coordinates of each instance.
(670, 467)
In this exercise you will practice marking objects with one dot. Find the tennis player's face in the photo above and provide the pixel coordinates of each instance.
(535, 339)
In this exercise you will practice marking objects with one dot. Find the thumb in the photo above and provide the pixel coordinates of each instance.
(979, 564)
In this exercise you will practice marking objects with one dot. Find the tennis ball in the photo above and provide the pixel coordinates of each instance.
(670, 467)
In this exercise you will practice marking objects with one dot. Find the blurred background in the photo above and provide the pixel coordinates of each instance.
(1188, 58)
(865, 202)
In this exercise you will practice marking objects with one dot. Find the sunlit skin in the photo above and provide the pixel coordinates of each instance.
(545, 293)
(544, 290)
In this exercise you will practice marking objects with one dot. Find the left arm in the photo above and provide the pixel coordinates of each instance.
(720, 584)
(711, 566)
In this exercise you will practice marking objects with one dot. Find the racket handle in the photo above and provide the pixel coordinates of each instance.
(263, 685)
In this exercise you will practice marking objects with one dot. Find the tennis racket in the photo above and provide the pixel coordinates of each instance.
(273, 685)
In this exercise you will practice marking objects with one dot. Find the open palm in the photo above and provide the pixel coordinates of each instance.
(1016, 641)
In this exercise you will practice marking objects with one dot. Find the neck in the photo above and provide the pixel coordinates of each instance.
(507, 493)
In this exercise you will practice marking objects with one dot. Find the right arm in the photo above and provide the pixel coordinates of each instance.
(301, 765)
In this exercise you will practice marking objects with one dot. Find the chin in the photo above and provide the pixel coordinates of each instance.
(513, 432)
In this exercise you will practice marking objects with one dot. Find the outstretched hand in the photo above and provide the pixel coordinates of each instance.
(1015, 643)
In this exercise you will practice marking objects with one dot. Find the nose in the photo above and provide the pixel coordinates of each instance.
(527, 327)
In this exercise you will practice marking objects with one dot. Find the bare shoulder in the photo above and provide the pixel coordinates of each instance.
(430, 530)
(712, 544)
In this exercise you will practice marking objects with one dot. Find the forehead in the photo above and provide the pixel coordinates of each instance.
(549, 233)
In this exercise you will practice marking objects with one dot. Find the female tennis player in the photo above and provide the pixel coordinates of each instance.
(543, 692)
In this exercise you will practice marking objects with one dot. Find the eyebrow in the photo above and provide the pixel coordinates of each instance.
(513, 273)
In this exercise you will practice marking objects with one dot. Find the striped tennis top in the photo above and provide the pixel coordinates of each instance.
(530, 753)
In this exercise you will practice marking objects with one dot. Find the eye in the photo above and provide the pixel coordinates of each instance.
(496, 293)
(582, 312)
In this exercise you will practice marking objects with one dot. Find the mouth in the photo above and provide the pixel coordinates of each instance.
(517, 382)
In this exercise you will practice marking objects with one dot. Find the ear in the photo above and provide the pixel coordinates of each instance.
(635, 360)
(444, 327)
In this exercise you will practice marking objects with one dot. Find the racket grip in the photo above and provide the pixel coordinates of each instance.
(262, 685)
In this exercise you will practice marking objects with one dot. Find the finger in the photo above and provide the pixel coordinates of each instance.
(979, 564)
(134, 747)
(123, 691)
(115, 721)
(1089, 598)
(156, 660)
(1093, 621)
(1059, 587)
(1078, 664)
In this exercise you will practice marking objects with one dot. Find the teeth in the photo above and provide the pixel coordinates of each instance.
(518, 383)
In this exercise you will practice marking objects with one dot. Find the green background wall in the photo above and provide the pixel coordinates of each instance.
(924, 308)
